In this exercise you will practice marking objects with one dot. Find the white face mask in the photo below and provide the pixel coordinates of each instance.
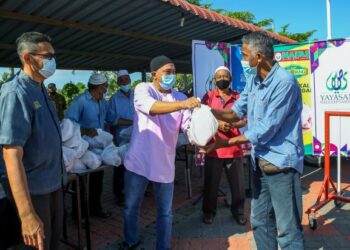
(248, 70)
(49, 68)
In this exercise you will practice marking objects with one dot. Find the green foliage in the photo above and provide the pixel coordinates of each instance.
(241, 15)
(6, 75)
(249, 17)
(112, 78)
(69, 91)
(183, 82)
(300, 37)
(133, 85)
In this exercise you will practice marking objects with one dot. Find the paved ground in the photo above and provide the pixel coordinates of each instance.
(189, 232)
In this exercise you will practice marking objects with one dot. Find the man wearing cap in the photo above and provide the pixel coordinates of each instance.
(229, 158)
(120, 116)
(58, 100)
(160, 112)
(89, 110)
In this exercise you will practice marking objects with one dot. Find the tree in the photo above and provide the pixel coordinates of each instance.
(112, 78)
(184, 82)
(249, 17)
(6, 76)
(300, 37)
(134, 84)
(69, 91)
(81, 86)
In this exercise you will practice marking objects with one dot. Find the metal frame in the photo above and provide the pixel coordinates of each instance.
(336, 193)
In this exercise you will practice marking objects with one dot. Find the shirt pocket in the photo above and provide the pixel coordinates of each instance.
(260, 109)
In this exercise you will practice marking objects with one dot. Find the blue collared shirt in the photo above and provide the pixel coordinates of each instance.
(28, 119)
(120, 106)
(274, 110)
(88, 112)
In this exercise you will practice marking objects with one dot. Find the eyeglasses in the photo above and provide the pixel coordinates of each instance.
(48, 56)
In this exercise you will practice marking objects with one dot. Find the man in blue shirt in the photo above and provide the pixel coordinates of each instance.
(29, 123)
(272, 101)
(120, 115)
(89, 111)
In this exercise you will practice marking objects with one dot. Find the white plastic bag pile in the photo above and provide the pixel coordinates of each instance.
(102, 146)
(203, 126)
(76, 155)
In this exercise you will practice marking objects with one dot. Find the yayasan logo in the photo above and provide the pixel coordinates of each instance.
(337, 81)
(297, 70)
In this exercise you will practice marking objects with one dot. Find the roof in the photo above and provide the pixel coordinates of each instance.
(109, 34)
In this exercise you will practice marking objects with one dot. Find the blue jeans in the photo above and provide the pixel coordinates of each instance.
(135, 187)
(277, 210)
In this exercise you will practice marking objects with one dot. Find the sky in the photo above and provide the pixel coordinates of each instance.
(301, 15)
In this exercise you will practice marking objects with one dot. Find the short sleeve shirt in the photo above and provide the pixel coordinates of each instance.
(88, 112)
(28, 119)
(153, 141)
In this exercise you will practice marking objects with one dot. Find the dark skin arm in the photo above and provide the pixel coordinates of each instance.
(226, 115)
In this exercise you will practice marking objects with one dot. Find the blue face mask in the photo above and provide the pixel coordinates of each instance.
(49, 68)
(125, 88)
(248, 70)
(168, 82)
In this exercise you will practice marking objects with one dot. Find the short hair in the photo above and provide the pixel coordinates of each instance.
(51, 85)
(260, 42)
(28, 42)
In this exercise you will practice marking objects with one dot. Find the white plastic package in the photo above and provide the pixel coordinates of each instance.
(78, 166)
(81, 148)
(91, 160)
(69, 155)
(97, 151)
(102, 140)
(67, 129)
(75, 139)
(110, 156)
(203, 126)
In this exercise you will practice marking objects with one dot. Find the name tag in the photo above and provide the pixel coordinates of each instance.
(37, 105)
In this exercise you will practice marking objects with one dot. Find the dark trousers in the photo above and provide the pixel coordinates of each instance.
(10, 225)
(49, 208)
(118, 181)
(95, 193)
(212, 175)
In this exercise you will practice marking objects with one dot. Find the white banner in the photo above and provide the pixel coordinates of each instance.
(331, 92)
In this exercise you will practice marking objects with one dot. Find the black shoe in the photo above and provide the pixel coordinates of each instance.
(125, 246)
(101, 213)
(208, 218)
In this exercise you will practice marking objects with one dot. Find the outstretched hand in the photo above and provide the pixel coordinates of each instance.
(218, 143)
